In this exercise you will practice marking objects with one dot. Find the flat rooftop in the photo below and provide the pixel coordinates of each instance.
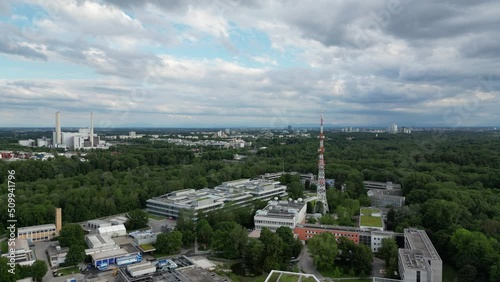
(281, 209)
(367, 219)
(198, 274)
(381, 185)
(109, 254)
(36, 228)
(412, 259)
(418, 240)
(227, 191)
(100, 239)
(329, 227)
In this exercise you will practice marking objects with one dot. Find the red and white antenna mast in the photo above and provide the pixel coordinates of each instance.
(321, 193)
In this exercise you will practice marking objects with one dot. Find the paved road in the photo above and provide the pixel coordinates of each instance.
(156, 225)
(40, 254)
(378, 267)
(306, 264)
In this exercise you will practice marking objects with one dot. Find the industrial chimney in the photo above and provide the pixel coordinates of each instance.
(92, 130)
(58, 220)
(58, 128)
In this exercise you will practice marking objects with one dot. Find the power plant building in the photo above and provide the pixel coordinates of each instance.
(238, 192)
(85, 138)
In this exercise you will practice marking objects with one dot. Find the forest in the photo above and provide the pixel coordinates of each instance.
(451, 181)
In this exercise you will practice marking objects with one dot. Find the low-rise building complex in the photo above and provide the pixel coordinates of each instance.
(238, 193)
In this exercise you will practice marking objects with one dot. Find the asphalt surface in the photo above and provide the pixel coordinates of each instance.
(378, 267)
(156, 225)
(306, 263)
(40, 254)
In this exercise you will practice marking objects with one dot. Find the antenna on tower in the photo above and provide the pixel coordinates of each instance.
(321, 192)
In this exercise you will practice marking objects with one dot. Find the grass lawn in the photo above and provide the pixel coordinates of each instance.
(371, 221)
(155, 217)
(237, 278)
(338, 274)
(368, 211)
(355, 280)
(68, 271)
(147, 247)
(449, 273)
(289, 278)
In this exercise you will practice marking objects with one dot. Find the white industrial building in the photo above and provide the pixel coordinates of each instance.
(238, 192)
(419, 261)
(57, 255)
(22, 254)
(85, 138)
(95, 241)
(113, 230)
(96, 223)
(281, 213)
(27, 143)
(145, 238)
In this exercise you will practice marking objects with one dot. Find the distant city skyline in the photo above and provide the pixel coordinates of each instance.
(234, 63)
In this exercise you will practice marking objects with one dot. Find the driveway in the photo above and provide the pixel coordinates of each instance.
(378, 267)
(40, 254)
(306, 264)
(156, 225)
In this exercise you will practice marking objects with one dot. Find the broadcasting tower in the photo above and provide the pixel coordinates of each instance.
(321, 171)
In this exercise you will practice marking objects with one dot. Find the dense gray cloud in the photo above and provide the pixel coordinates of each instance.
(368, 63)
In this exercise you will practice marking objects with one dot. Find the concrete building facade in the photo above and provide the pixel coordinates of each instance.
(37, 233)
(307, 231)
(419, 261)
(377, 237)
(382, 199)
(281, 213)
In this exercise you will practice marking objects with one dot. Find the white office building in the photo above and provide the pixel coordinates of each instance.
(238, 192)
(377, 237)
(281, 213)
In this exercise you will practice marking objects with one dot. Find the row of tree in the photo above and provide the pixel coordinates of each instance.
(342, 255)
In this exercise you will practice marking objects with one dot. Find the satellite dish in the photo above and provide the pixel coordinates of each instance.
(300, 199)
(275, 198)
(290, 199)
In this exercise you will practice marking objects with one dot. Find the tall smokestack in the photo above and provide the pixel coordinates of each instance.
(92, 130)
(58, 220)
(58, 128)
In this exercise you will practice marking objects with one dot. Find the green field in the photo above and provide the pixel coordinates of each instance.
(368, 220)
(289, 278)
(69, 270)
(368, 211)
(237, 278)
(371, 221)
(147, 247)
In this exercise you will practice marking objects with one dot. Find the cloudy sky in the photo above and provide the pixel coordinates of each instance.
(250, 63)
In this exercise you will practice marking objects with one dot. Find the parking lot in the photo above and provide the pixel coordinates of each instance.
(161, 225)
